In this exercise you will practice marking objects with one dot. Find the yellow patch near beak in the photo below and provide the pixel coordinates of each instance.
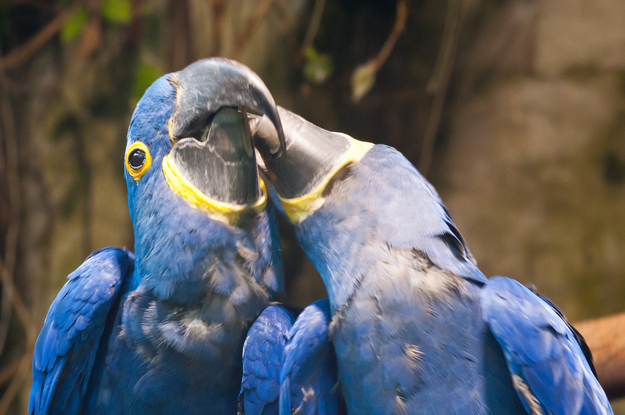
(299, 208)
(221, 211)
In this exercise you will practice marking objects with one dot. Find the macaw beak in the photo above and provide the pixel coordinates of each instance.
(213, 149)
(311, 155)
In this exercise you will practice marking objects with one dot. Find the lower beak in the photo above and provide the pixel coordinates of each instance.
(220, 161)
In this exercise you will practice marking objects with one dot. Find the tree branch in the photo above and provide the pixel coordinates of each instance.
(363, 77)
(19, 306)
(218, 9)
(456, 16)
(13, 184)
(313, 27)
(16, 383)
(250, 26)
(23, 53)
(8, 372)
(389, 44)
(606, 339)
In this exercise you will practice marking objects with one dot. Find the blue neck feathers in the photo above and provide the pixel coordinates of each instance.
(382, 203)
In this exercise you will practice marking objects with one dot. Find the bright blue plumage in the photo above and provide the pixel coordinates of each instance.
(163, 333)
(67, 346)
(309, 373)
(416, 326)
(263, 357)
(290, 367)
(541, 351)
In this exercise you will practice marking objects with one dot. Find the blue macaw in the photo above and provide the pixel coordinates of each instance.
(416, 327)
(162, 331)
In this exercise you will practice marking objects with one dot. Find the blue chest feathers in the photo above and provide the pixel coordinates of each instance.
(164, 356)
(412, 337)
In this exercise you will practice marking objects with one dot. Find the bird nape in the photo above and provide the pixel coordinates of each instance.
(162, 331)
(416, 327)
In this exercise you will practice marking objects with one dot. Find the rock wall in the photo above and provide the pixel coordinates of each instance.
(533, 169)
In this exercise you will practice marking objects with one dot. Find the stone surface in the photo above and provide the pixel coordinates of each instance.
(533, 166)
(580, 33)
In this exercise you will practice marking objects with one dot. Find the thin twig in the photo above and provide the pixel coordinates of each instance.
(313, 26)
(456, 15)
(250, 26)
(135, 28)
(10, 251)
(9, 85)
(85, 176)
(35, 4)
(19, 306)
(8, 372)
(86, 185)
(16, 383)
(389, 44)
(23, 53)
(180, 44)
(364, 75)
(218, 7)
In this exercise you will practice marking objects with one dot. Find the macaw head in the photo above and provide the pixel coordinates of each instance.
(197, 204)
(303, 168)
(351, 202)
(305, 174)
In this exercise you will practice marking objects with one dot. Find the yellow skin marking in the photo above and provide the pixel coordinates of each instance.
(138, 174)
(224, 212)
(173, 79)
(221, 211)
(171, 136)
(299, 208)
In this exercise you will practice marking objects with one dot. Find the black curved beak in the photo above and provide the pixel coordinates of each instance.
(213, 144)
(311, 153)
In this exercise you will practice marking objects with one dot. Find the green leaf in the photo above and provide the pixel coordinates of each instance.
(146, 74)
(116, 11)
(362, 81)
(310, 53)
(74, 25)
(318, 67)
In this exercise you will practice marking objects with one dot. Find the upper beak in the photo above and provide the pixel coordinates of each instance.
(208, 85)
(213, 148)
(311, 155)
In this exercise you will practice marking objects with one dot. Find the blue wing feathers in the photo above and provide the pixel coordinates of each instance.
(262, 361)
(289, 366)
(309, 374)
(67, 345)
(543, 356)
(578, 336)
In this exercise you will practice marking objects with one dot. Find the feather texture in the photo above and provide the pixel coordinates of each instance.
(72, 332)
(407, 302)
(551, 374)
(309, 375)
(162, 334)
(263, 357)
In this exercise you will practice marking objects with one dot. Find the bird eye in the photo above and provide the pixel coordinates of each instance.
(138, 160)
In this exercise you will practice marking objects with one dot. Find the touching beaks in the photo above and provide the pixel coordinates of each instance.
(208, 85)
(212, 163)
(310, 156)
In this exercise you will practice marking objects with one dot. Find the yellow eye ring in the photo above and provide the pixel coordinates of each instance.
(138, 160)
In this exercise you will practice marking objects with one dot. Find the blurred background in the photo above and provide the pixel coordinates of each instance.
(514, 109)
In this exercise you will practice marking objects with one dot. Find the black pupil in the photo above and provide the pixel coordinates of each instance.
(136, 159)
